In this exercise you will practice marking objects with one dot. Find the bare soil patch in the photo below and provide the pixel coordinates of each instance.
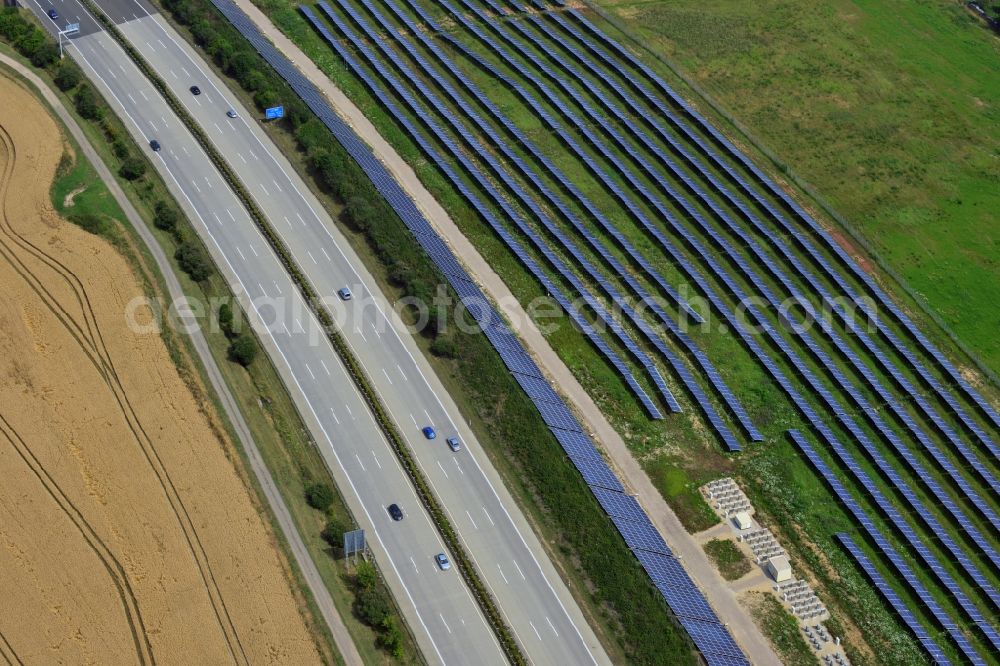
(127, 534)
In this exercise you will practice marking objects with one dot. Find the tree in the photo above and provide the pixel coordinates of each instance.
(333, 533)
(45, 54)
(132, 168)
(372, 606)
(319, 496)
(68, 75)
(226, 319)
(241, 64)
(165, 217)
(265, 98)
(192, 260)
(243, 349)
(87, 104)
(360, 213)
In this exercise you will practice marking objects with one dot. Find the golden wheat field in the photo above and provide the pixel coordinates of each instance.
(127, 532)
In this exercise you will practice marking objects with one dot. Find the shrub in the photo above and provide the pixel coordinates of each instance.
(193, 260)
(95, 224)
(243, 349)
(45, 54)
(391, 638)
(226, 319)
(165, 217)
(265, 98)
(68, 75)
(87, 104)
(333, 533)
(120, 149)
(372, 605)
(132, 168)
(319, 496)
(444, 347)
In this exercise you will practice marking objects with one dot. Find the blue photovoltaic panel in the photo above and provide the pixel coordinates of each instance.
(711, 638)
(688, 605)
(597, 474)
(557, 415)
(663, 569)
(726, 660)
(620, 505)
(641, 536)
(577, 443)
(537, 389)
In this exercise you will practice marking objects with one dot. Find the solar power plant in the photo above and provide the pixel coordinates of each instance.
(600, 39)
(712, 226)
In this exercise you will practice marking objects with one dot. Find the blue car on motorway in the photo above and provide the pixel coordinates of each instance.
(429, 432)
(54, 15)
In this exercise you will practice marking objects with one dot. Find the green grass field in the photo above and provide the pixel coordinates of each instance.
(730, 560)
(887, 108)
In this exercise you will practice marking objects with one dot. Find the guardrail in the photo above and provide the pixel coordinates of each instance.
(462, 560)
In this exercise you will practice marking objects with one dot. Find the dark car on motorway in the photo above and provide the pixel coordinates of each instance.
(195, 90)
(155, 145)
(395, 512)
(54, 15)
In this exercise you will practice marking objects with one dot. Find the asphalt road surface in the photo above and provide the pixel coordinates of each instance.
(448, 624)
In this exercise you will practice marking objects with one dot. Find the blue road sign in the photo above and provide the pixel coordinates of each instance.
(274, 113)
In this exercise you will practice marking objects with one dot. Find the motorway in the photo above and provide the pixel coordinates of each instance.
(448, 624)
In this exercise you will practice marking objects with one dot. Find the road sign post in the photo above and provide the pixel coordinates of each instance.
(354, 542)
(70, 29)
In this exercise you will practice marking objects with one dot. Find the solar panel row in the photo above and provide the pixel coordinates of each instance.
(871, 413)
(646, 300)
(899, 562)
(775, 240)
(511, 242)
(749, 271)
(803, 240)
(909, 619)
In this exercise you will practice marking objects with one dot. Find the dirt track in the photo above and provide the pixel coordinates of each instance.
(126, 534)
